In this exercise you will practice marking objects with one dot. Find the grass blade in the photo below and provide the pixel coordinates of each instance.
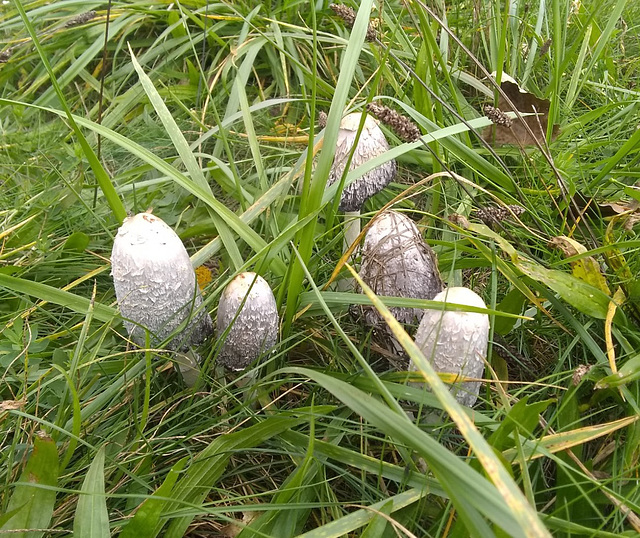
(360, 518)
(472, 494)
(116, 205)
(319, 181)
(92, 519)
(31, 505)
(188, 159)
(559, 442)
(148, 514)
(53, 295)
(528, 522)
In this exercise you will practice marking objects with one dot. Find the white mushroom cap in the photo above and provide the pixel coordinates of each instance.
(155, 284)
(396, 262)
(254, 324)
(371, 143)
(456, 342)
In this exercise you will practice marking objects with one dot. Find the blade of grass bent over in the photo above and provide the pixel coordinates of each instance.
(351, 522)
(53, 295)
(450, 471)
(472, 494)
(240, 225)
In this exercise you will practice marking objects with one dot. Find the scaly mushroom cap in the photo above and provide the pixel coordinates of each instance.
(372, 143)
(254, 324)
(396, 262)
(456, 342)
(156, 284)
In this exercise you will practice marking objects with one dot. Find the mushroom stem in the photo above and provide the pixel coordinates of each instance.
(351, 228)
(351, 233)
(188, 364)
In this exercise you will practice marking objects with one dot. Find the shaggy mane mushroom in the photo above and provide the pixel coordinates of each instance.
(156, 287)
(456, 342)
(247, 320)
(371, 143)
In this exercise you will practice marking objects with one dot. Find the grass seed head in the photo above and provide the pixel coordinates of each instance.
(348, 15)
(493, 215)
(497, 116)
(81, 19)
(399, 124)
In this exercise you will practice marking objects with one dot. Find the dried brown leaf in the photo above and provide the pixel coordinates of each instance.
(516, 133)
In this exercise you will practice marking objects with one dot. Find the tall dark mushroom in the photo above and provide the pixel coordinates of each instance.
(248, 314)
(456, 342)
(371, 143)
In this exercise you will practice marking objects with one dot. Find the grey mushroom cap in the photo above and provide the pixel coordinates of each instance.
(156, 285)
(396, 262)
(456, 342)
(371, 143)
(254, 324)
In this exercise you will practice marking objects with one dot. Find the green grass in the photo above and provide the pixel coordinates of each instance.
(209, 115)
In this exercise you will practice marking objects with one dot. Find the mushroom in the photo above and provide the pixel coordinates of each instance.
(396, 262)
(156, 285)
(248, 314)
(371, 143)
(456, 342)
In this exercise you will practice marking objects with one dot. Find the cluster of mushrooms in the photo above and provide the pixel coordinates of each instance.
(160, 301)
(161, 304)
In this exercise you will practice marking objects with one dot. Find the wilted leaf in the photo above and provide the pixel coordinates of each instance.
(617, 208)
(31, 506)
(564, 440)
(11, 405)
(618, 299)
(586, 269)
(599, 209)
(524, 102)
